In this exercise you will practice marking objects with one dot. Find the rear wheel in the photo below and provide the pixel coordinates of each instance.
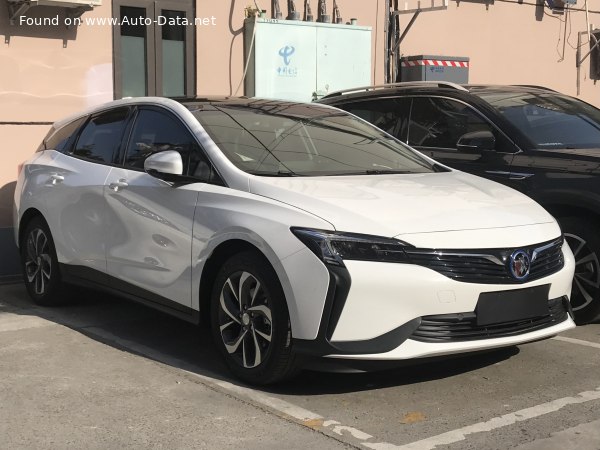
(250, 320)
(39, 264)
(582, 236)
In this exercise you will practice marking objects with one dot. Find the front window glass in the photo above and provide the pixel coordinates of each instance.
(440, 122)
(279, 140)
(549, 120)
(155, 132)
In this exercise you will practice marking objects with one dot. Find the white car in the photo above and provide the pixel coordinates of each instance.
(295, 229)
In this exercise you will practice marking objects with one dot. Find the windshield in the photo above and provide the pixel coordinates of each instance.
(549, 120)
(272, 143)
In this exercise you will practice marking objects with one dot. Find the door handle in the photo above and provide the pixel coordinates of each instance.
(499, 173)
(520, 176)
(56, 178)
(510, 175)
(118, 185)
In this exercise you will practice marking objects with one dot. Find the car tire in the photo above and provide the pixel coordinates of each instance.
(582, 236)
(250, 320)
(40, 265)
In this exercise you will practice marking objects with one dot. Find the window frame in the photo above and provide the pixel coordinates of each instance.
(90, 117)
(474, 110)
(153, 48)
(218, 179)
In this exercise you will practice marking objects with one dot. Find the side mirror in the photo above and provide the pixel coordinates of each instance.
(477, 141)
(166, 165)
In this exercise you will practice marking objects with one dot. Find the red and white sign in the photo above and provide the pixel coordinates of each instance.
(435, 62)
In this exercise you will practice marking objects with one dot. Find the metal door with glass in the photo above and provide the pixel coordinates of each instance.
(154, 48)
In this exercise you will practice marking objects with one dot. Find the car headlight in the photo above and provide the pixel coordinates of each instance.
(333, 247)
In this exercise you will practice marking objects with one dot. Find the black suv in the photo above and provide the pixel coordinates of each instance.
(538, 141)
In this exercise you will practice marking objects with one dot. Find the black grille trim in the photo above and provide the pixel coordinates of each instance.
(463, 326)
(489, 266)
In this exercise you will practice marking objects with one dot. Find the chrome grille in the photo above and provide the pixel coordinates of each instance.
(489, 265)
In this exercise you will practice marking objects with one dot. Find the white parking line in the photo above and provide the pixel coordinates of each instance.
(577, 341)
(461, 434)
(333, 428)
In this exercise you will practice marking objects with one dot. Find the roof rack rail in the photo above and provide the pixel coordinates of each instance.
(447, 84)
(535, 86)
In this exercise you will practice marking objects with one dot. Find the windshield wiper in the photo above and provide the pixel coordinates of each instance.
(384, 171)
(281, 173)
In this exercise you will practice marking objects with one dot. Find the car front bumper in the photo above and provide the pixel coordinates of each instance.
(376, 311)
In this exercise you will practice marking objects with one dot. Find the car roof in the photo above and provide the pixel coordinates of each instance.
(290, 108)
(428, 87)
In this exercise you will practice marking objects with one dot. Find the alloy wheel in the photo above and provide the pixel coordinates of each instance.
(245, 319)
(586, 284)
(38, 263)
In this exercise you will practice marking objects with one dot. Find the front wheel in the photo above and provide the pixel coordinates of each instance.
(582, 236)
(250, 320)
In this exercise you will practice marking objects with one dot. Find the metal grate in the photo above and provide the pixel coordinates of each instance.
(489, 266)
(463, 326)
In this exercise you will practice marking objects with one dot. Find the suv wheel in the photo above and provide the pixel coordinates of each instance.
(39, 263)
(250, 320)
(582, 236)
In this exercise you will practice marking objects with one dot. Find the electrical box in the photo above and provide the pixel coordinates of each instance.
(435, 68)
(300, 61)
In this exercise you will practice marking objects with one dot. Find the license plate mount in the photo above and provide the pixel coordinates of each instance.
(512, 305)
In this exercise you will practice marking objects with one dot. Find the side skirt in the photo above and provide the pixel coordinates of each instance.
(94, 279)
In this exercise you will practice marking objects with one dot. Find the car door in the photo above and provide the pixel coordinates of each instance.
(149, 246)
(437, 124)
(75, 207)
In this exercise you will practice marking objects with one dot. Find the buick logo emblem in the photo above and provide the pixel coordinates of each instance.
(519, 265)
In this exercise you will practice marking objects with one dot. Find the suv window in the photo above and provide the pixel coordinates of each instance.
(154, 132)
(440, 122)
(101, 137)
(58, 139)
(390, 115)
(549, 120)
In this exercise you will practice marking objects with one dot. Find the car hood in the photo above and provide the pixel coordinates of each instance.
(389, 205)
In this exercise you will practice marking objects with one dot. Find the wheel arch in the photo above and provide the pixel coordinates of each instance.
(27, 217)
(218, 256)
(572, 210)
(566, 203)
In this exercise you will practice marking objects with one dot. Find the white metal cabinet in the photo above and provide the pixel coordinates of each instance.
(293, 60)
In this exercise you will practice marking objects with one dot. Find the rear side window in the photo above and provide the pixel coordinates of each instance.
(59, 139)
(391, 115)
(101, 137)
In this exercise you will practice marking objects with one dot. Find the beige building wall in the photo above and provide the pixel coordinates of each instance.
(508, 43)
(49, 72)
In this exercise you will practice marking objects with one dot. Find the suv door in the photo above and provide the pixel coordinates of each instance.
(74, 204)
(437, 124)
(149, 246)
